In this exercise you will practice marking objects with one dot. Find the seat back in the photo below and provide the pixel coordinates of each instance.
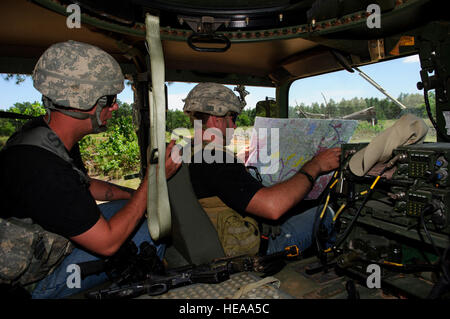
(193, 234)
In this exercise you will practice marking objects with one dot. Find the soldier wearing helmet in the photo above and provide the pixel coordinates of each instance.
(44, 179)
(217, 107)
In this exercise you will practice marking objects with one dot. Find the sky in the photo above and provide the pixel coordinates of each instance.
(395, 76)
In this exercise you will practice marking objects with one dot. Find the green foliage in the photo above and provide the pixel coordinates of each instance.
(113, 155)
(366, 127)
(125, 109)
(365, 132)
(432, 100)
(3, 140)
(243, 120)
(116, 152)
(177, 119)
(246, 118)
(19, 78)
(9, 126)
(27, 108)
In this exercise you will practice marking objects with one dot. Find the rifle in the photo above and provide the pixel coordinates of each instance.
(126, 265)
(155, 284)
(217, 271)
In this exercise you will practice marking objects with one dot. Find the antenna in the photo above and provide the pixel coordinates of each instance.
(326, 104)
(344, 63)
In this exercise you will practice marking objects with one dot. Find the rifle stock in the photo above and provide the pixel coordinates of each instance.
(217, 271)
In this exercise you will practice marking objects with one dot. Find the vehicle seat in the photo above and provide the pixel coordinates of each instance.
(193, 235)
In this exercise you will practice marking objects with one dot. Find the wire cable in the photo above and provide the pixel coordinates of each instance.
(367, 194)
(319, 217)
(430, 116)
(442, 261)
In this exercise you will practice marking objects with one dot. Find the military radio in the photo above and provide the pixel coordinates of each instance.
(398, 214)
(418, 179)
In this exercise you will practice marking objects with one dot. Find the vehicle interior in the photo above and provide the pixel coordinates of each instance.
(272, 43)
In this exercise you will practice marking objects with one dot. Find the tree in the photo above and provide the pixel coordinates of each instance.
(177, 119)
(123, 116)
(9, 126)
(293, 111)
(27, 108)
(19, 78)
(332, 109)
(411, 100)
(246, 118)
(315, 108)
(432, 100)
(243, 120)
(6, 127)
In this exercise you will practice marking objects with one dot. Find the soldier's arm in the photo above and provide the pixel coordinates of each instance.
(105, 191)
(272, 202)
(106, 236)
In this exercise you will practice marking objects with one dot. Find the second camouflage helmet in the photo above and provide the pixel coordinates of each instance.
(212, 98)
(76, 75)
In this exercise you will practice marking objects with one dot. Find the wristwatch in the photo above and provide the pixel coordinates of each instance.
(308, 176)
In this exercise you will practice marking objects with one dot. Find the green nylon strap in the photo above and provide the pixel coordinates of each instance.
(158, 207)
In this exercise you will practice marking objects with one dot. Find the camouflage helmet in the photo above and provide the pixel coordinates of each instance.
(74, 74)
(212, 98)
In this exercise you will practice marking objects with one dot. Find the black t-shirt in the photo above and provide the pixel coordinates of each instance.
(229, 181)
(38, 184)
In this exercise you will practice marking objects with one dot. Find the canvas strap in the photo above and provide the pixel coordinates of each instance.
(158, 207)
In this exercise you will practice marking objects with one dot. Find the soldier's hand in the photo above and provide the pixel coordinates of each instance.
(171, 166)
(323, 162)
(328, 160)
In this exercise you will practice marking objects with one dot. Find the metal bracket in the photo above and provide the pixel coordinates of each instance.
(204, 32)
(376, 49)
(205, 24)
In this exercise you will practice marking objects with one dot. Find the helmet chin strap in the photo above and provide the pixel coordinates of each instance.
(97, 125)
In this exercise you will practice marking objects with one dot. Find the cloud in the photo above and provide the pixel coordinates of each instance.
(175, 101)
(251, 101)
(411, 59)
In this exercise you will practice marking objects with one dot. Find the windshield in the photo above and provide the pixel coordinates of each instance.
(348, 95)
